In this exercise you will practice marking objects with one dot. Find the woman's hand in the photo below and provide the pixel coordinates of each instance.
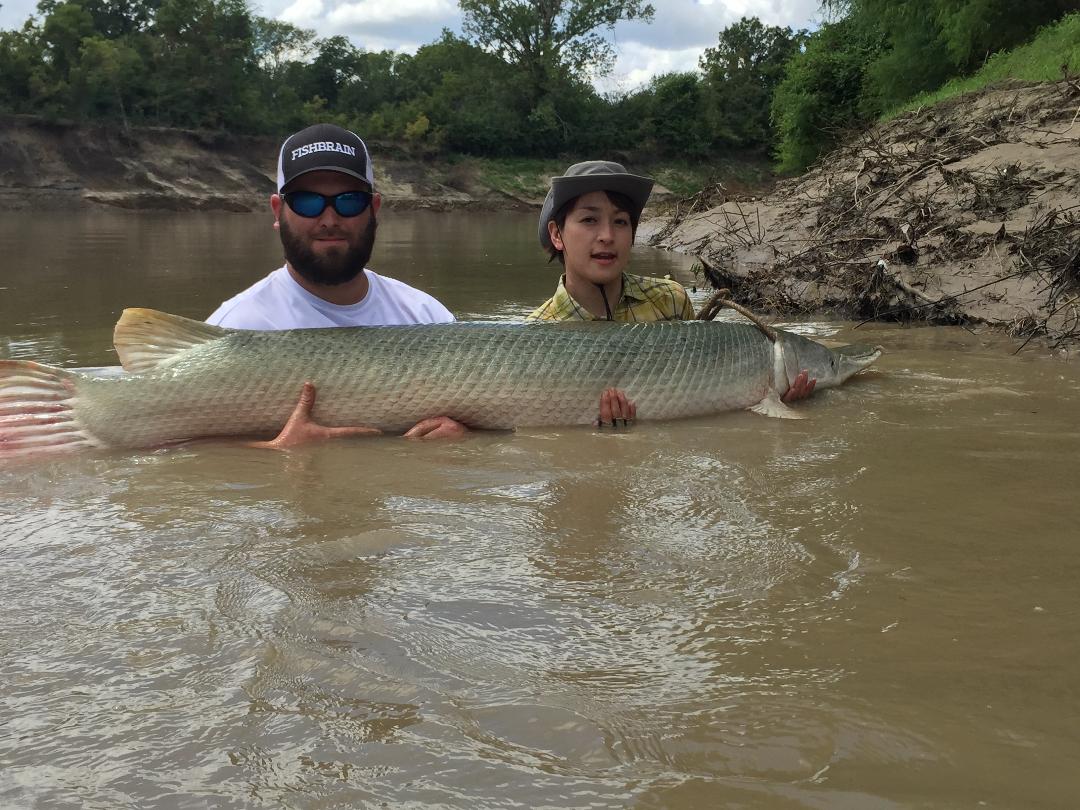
(615, 407)
(801, 387)
(437, 427)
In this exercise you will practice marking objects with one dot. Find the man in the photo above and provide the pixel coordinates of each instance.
(325, 212)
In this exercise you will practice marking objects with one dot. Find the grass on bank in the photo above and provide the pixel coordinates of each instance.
(523, 178)
(529, 178)
(738, 173)
(1040, 60)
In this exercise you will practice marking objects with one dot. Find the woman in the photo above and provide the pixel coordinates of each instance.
(588, 222)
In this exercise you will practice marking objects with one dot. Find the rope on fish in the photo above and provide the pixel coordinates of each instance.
(720, 300)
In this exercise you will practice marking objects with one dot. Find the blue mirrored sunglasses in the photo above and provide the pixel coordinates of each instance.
(311, 204)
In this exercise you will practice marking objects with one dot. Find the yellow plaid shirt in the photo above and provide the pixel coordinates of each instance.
(643, 299)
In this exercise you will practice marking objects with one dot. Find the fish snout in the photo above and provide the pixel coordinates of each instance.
(856, 357)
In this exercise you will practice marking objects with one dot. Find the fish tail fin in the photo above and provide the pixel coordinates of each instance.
(145, 338)
(36, 410)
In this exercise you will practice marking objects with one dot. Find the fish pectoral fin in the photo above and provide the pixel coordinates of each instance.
(145, 338)
(772, 406)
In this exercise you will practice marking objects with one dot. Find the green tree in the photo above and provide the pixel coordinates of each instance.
(276, 43)
(549, 39)
(107, 77)
(62, 35)
(110, 18)
(204, 65)
(277, 48)
(740, 76)
(440, 81)
(21, 58)
(373, 84)
(336, 62)
(822, 92)
(930, 41)
(622, 122)
(676, 120)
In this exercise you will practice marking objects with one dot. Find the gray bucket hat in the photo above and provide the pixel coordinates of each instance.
(592, 175)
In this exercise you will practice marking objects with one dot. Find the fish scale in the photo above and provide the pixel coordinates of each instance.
(192, 380)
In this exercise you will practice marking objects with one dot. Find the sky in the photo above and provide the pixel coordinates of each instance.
(680, 32)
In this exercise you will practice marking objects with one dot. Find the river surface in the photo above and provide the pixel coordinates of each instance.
(874, 607)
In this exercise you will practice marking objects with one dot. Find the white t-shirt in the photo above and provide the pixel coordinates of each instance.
(278, 302)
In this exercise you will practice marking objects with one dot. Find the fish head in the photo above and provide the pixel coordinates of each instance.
(829, 366)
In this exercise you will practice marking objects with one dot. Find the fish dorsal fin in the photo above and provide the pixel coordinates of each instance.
(145, 338)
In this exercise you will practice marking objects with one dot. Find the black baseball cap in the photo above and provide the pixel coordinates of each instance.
(324, 147)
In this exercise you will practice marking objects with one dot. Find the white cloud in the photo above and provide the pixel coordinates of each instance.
(680, 24)
(373, 44)
(382, 13)
(734, 7)
(636, 66)
(14, 13)
(795, 13)
(303, 13)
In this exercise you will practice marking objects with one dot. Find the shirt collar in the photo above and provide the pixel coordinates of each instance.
(631, 288)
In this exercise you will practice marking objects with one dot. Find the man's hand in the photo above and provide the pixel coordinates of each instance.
(437, 427)
(801, 387)
(614, 406)
(301, 429)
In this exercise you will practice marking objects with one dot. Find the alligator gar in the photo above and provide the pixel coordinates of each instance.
(190, 380)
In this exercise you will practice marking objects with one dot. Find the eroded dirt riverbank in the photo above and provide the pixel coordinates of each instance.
(964, 213)
(46, 166)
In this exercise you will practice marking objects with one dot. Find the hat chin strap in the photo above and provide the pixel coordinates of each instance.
(607, 306)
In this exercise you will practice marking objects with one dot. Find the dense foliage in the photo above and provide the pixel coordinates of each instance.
(880, 53)
(518, 82)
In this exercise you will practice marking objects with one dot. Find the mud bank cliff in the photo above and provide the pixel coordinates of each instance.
(966, 213)
(65, 166)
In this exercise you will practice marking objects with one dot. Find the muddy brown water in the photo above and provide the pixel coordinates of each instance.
(874, 607)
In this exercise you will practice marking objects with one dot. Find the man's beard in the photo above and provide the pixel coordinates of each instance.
(329, 269)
